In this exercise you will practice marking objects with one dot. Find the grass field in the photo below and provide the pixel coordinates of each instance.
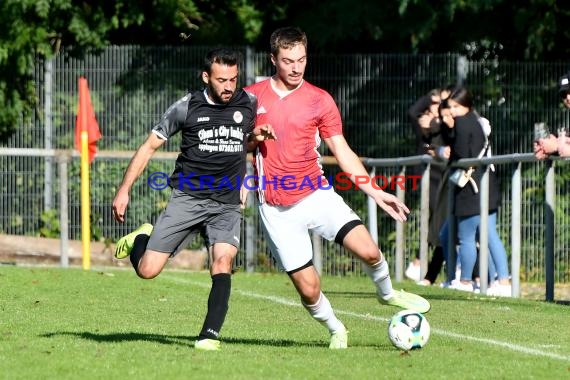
(109, 324)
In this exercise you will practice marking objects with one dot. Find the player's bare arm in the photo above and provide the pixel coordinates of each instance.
(244, 192)
(351, 164)
(260, 133)
(136, 167)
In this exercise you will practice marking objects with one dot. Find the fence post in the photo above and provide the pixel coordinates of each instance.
(549, 230)
(249, 227)
(63, 159)
(48, 176)
(484, 232)
(401, 194)
(372, 212)
(249, 65)
(424, 220)
(516, 189)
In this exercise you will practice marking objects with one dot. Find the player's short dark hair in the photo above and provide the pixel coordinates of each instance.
(222, 56)
(286, 38)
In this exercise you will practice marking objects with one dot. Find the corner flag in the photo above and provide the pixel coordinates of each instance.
(86, 121)
(86, 135)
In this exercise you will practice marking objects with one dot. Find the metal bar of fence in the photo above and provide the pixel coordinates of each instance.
(401, 194)
(484, 232)
(517, 158)
(424, 220)
(372, 213)
(549, 231)
(516, 200)
(63, 214)
(249, 232)
(63, 157)
(48, 184)
(550, 188)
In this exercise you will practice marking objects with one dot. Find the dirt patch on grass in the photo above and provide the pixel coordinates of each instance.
(30, 250)
(537, 291)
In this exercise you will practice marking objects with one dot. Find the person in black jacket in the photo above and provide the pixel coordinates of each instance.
(426, 120)
(468, 140)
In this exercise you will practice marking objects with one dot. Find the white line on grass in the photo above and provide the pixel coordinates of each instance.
(289, 302)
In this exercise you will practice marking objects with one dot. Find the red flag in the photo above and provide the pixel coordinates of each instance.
(86, 120)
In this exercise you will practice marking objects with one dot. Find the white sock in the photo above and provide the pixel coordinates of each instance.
(380, 275)
(322, 311)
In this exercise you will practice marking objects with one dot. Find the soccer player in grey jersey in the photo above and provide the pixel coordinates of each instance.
(217, 124)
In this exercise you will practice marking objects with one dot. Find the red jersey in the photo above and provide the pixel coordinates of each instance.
(288, 168)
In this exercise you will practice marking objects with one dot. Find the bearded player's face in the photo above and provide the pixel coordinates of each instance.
(222, 82)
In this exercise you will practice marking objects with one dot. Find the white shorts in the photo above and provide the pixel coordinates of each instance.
(287, 228)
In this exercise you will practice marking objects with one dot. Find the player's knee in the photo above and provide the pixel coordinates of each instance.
(147, 272)
(311, 295)
(370, 254)
(315, 293)
(222, 264)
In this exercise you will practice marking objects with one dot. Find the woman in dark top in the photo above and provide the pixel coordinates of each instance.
(426, 121)
(467, 140)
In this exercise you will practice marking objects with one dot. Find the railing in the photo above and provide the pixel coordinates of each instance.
(516, 191)
(64, 157)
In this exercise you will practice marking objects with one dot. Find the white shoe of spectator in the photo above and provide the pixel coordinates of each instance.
(458, 285)
(413, 272)
(498, 290)
(424, 282)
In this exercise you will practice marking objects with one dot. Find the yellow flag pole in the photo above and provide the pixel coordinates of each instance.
(85, 202)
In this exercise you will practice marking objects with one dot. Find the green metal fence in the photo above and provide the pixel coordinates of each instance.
(132, 86)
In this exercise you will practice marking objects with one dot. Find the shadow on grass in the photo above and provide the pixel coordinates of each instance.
(448, 296)
(370, 295)
(176, 339)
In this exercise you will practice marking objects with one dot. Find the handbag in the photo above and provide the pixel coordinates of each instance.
(461, 177)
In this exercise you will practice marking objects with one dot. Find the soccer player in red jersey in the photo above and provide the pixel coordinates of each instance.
(295, 197)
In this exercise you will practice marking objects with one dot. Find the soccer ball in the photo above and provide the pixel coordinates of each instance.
(408, 330)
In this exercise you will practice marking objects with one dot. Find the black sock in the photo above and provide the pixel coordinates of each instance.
(139, 246)
(434, 266)
(217, 306)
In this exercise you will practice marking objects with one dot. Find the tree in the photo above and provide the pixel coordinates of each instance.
(481, 29)
(520, 29)
(36, 29)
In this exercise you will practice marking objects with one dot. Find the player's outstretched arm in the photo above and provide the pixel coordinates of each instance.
(136, 167)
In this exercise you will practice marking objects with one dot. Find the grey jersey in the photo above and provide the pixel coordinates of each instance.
(211, 163)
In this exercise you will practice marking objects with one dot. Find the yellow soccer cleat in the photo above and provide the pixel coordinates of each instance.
(125, 244)
(407, 301)
(207, 345)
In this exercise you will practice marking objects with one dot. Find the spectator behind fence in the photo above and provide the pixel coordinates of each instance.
(564, 92)
(426, 121)
(468, 139)
(546, 143)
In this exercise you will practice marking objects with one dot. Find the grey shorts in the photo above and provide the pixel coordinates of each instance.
(186, 216)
